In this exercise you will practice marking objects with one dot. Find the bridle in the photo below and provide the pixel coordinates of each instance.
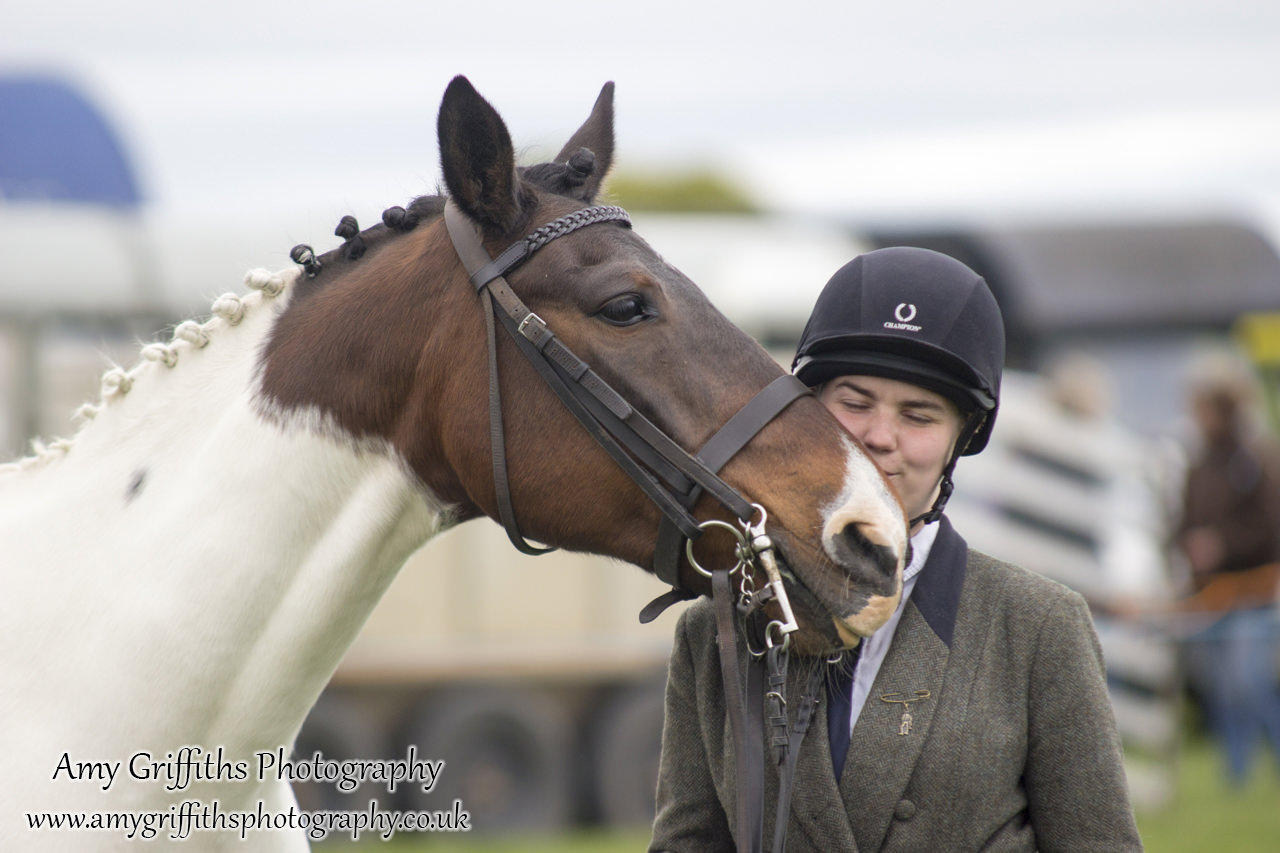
(670, 476)
(673, 479)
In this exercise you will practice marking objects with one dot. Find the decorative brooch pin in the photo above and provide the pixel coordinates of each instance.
(904, 728)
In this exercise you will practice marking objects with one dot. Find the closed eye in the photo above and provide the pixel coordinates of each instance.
(626, 310)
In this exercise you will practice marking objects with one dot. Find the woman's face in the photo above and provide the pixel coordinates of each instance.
(909, 431)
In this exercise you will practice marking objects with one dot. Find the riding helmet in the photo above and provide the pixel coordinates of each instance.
(914, 315)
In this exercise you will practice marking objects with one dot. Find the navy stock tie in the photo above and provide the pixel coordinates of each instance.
(840, 696)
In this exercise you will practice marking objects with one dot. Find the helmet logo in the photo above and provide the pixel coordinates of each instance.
(904, 313)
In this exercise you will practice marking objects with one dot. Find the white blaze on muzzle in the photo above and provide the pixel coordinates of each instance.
(867, 505)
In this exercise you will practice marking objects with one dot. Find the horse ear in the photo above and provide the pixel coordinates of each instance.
(596, 135)
(477, 158)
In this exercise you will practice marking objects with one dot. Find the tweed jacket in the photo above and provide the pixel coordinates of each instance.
(1015, 748)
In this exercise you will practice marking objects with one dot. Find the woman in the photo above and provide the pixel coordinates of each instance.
(1230, 510)
(977, 718)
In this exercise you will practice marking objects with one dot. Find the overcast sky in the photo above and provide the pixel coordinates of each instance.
(269, 102)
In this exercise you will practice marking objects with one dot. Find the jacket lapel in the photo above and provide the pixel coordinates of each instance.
(894, 724)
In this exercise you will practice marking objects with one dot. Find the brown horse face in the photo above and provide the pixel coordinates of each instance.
(389, 348)
(654, 337)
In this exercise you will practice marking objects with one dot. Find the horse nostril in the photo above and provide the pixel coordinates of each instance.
(853, 548)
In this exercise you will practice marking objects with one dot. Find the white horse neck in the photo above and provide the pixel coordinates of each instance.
(189, 569)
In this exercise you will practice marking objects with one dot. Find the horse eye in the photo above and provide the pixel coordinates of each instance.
(626, 310)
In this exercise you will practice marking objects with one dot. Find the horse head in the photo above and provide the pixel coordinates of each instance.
(385, 342)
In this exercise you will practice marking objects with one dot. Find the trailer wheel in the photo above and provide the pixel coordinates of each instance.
(339, 730)
(507, 753)
(628, 748)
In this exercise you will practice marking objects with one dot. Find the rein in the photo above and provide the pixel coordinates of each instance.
(674, 480)
(745, 712)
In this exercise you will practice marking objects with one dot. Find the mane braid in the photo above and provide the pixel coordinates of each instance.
(395, 221)
(227, 310)
(562, 179)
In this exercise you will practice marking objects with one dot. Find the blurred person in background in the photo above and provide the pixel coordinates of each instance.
(1230, 535)
(978, 716)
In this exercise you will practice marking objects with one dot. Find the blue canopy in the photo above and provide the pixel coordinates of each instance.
(54, 146)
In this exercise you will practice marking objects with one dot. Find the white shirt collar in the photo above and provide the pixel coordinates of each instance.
(921, 545)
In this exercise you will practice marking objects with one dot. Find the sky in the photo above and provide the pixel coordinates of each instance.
(256, 124)
(241, 107)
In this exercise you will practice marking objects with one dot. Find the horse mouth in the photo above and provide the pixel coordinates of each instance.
(830, 622)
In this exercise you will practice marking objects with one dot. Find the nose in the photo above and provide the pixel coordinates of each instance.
(865, 532)
(872, 558)
(872, 567)
(853, 547)
(877, 433)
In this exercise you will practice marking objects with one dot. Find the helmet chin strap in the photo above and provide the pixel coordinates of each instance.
(946, 486)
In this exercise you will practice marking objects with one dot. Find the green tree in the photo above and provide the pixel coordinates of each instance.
(686, 191)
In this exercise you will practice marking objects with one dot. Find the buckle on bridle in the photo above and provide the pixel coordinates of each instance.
(540, 331)
(525, 323)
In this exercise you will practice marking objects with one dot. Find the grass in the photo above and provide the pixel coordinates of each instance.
(1206, 815)
(1209, 815)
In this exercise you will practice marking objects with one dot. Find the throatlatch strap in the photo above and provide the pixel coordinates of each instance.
(498, 448)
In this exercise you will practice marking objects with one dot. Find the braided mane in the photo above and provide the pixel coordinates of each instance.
(229, 309)
(564, 179)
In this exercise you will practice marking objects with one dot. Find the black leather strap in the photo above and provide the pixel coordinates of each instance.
(766, 405)
(790, 755)
(579, 407)
(748, 756)
(498, 447)
(670, 476)
(747, 721)
(621, 430)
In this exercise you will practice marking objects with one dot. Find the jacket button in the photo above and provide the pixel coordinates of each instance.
(904, 810)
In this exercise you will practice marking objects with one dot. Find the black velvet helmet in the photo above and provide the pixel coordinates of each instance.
(917, 316)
